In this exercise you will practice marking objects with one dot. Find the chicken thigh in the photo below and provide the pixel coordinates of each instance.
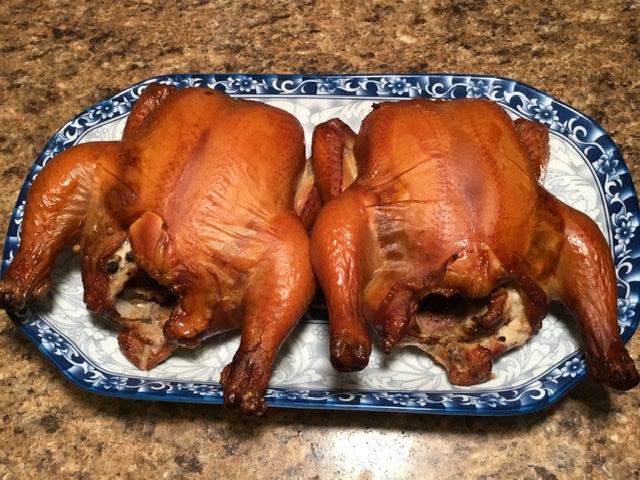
(436, 232)
(186, 228)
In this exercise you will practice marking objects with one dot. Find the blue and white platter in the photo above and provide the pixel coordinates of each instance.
(586, 171)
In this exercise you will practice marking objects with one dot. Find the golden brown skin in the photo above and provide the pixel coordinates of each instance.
(198, 195)
(447, 240)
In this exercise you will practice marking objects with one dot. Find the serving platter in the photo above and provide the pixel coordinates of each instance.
(586, 171)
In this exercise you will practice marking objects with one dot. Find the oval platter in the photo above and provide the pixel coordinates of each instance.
(586, 171)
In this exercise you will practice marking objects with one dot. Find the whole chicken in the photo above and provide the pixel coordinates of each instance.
(186, 228)
(436, 232)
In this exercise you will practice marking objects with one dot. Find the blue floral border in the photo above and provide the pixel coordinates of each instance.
(589, 138)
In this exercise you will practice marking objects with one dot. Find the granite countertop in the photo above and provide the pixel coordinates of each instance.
(60, 57)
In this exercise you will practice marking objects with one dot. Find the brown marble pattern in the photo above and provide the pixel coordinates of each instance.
(58, 57)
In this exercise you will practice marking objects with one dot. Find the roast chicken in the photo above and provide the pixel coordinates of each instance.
(435, 231)
(186, 228)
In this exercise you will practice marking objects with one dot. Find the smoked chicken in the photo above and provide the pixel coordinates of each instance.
(435, 231)
(186, 228)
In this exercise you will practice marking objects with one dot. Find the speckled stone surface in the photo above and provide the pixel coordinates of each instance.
(58, 57)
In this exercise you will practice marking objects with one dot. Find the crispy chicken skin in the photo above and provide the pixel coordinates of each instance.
(186, 228)
(436, 232)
